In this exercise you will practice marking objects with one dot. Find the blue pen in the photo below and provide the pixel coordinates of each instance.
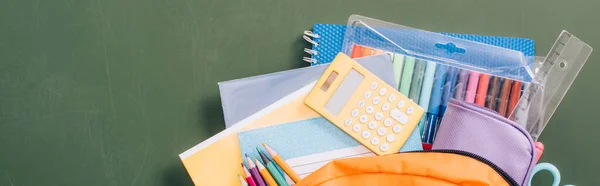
(448, 92)
(435, 103)
(426, 92)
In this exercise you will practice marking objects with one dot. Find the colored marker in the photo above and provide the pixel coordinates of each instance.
(407, 72)
(254, 172)
(286, 168)
(426, 92)
(249, 178)
(366, 51)
(417, 80)
(515, 95)
(448, 90)
(435, 103)
(356, 51)
(398, 64)
(278, 177)
(461, 86)
(265, 173)
(242, 181)
(504, 94)
(492, 96)
(472, 87)
(482, 89)
(377, 51)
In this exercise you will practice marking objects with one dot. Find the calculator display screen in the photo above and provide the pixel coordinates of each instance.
(344, 92)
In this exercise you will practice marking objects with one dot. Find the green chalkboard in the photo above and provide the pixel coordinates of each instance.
(109, 92)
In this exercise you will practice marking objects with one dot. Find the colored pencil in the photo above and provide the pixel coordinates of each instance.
(273, 170)
(242, 181)
(286, 168)
(407, 72)
(249, 178)
(461, 86)
(254, 171)
(265, 173)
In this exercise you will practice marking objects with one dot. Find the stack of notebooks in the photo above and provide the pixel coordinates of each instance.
(270, 109)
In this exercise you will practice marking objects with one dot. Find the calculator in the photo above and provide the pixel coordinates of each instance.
(364, 106)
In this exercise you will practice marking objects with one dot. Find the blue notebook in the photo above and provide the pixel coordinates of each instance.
(331, 37)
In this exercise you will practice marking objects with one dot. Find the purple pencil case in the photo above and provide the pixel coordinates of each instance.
(481, 131)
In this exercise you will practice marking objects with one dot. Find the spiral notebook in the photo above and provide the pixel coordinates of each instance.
(327, 40)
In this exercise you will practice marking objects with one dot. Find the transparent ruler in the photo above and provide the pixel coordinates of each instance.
(553, 77)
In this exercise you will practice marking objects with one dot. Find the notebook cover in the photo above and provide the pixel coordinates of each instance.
(332, 36)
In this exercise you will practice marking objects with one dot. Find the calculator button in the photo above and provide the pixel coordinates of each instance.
(375, 140)
(391, 138)
(397, 129)
(410, 110)
(387, 122)
(392, 97)
(376, 100)
(366, 134)
(361, 103)
(374, 85)
(363, 119)
(399, 116)
(370, 110)
(378, 116)
(383, 147)
(372, 125)
(368, 94)
(400, 103)
(385, 106)
(382, 91)
(381, 131)
(348, 122)
(356, 128)
(354, 112)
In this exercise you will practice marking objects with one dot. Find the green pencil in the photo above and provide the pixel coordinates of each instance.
(274, 172)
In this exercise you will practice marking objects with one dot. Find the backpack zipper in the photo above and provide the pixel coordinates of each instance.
(498, 170)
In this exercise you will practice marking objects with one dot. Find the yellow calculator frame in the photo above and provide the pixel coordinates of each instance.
(321, 94)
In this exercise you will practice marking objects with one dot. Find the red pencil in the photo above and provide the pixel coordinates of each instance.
(484, 82)
(249, 178)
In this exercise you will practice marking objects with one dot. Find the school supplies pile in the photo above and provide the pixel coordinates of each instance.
(390, 92)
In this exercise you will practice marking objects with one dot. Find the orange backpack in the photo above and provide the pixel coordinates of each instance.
(443, 168)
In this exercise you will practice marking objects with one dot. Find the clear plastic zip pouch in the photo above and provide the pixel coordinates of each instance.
(432, 68)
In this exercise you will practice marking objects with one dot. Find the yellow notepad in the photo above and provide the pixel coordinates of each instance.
(216, 161)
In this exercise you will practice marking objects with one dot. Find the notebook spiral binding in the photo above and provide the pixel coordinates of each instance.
(309, 36)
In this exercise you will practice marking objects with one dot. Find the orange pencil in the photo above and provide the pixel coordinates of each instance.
(265, 173)
(367, 52)
(484, 82)
(356, 51)
(286, 168)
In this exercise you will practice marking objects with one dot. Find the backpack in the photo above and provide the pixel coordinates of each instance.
(474, 146)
